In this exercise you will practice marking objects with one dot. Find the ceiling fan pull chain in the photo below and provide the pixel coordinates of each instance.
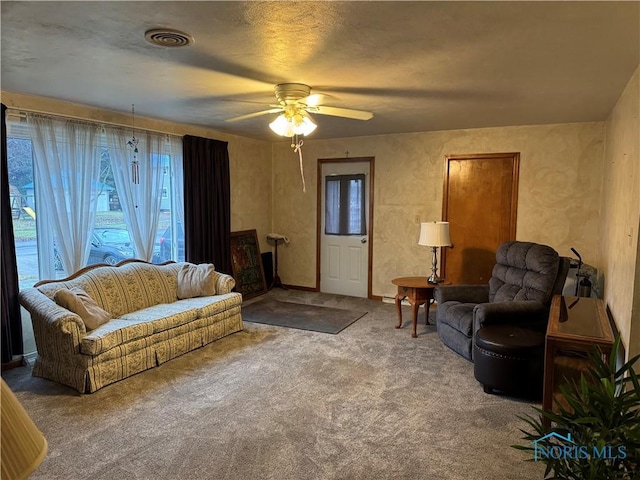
(297, 147)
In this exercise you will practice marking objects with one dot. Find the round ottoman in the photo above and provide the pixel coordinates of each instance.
(510, 359)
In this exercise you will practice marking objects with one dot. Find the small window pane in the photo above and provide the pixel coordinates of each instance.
(345, 205)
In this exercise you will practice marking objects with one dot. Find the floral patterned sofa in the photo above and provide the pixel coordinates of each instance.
(149, 324)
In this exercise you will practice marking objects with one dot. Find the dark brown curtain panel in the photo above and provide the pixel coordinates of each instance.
(207, 202)
(11, 322)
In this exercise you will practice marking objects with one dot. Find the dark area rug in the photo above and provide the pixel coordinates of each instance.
(300, 315)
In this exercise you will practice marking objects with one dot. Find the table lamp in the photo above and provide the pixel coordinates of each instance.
(23, 445)
(434, 235)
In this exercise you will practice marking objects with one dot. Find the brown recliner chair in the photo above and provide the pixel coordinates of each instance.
(524, 279)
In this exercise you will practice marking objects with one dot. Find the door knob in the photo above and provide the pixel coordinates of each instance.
(364, 240)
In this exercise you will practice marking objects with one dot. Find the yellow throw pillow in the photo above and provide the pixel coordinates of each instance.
(196, 281)
(80, 303)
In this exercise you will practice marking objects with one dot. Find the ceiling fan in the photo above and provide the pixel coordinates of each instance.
(295, 103)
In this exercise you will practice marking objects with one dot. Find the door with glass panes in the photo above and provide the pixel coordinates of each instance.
(344, 229)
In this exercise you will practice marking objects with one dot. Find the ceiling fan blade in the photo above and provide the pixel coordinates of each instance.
(439, 94)
(316, 99)
(342, 112)
(255, 114)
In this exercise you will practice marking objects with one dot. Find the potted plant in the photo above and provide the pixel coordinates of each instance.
(597, 435)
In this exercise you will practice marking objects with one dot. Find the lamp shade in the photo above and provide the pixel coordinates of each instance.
(434, 234)
(23, 445)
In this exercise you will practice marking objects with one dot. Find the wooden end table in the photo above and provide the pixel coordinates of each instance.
(417, 291)
(576, 325)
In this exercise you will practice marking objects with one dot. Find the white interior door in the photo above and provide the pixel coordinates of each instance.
(344, 257)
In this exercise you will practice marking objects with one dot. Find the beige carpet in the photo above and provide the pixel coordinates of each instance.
(280, 403)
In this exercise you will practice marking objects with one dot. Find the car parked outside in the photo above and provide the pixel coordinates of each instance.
(165, 252)
(108, 245)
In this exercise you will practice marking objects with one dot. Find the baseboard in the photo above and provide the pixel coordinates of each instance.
(313, 289)
(30, 358)
(15, 362)
(393, 300)
(299, 287)
(405, 302)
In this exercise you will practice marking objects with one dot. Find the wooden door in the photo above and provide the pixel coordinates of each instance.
(480, 204)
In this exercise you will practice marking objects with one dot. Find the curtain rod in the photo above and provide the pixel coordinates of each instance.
(22, 113)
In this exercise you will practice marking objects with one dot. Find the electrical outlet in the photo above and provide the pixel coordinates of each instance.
(416, 219)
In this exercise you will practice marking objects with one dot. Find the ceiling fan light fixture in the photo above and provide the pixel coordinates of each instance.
(288, 126)
(305, 126)
(282, 126)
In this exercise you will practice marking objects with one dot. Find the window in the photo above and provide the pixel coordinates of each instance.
(113, 217)
(110, 238)
(21, 195)
(345, 212)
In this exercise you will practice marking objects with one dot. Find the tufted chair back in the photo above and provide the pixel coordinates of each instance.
(524, 271)
(524, 280)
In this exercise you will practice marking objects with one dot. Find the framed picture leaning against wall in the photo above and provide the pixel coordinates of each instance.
(246, 262)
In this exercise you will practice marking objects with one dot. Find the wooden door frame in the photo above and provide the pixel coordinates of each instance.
(321, 162)
(514, 157)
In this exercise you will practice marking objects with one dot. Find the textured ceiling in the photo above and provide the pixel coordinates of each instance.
(418, 66)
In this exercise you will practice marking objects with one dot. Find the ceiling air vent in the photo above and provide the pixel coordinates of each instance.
(166, 37)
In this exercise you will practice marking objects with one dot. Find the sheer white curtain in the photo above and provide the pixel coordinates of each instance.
(344, 205)
(332, 207)
(140, 201)
(66, 166)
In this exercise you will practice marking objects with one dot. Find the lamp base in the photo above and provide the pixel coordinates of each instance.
(434, 279)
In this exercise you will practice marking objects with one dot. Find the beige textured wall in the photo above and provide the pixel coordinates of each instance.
(621, 215)
(559, 192)
(250, 165)
(250, 160)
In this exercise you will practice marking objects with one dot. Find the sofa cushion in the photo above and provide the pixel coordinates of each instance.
(114, 333)
(164, 316)
(208, 306)
(196, 280)
(80, 303)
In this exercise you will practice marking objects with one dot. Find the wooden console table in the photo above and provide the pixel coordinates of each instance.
(417, 291)
(575, 325)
